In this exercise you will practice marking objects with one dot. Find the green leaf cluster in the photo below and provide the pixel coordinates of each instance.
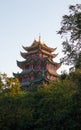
(9, 85)
(70, 31)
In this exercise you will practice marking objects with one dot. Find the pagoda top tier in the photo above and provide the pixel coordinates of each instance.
(39, 45)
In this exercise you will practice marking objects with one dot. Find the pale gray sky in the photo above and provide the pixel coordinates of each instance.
(22, 20)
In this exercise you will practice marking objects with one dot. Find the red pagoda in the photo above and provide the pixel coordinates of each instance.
(38, 66)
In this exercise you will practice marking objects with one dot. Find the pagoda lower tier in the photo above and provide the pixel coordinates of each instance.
(38, 67)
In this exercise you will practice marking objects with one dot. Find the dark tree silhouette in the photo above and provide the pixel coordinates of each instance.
(71, 32)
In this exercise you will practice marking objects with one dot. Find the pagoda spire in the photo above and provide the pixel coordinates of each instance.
(39, 38)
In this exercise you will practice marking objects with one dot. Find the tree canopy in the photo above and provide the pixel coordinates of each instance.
(71, 32)
(9, 85)
(56, 106)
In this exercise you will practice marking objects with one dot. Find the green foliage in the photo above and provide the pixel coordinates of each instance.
(1, 82)
(14, 86)
(9, 85)
(71, 29)
(56, 106)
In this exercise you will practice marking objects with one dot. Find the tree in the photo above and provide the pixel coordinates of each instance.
(13, 85)
(9, 85)
(1, 83)
(71, 31)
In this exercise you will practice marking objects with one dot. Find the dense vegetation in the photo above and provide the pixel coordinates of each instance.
(56, 106)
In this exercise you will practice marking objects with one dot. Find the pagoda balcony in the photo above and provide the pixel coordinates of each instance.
(29, 81)
(23, 84)
(27, 71)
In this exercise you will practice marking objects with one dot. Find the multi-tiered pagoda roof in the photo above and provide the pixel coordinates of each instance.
(38, 66)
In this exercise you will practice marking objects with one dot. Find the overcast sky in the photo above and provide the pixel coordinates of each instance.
(21, 21)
